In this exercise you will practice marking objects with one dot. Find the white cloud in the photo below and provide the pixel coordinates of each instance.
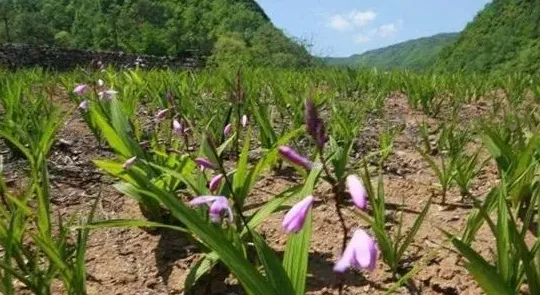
(387, 30)
(362, 18)
(361, 39)
(348, 21)
(339, 23)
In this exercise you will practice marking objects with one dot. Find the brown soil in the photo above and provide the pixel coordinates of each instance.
(134, 261)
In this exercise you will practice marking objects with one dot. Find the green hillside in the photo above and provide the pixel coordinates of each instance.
(415, 54)
(503, 37)
(226, 31)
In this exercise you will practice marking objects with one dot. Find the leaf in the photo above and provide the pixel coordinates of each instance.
(503, 239)
(201, 267)
(296, 256)
(412, 232)
(272, 265)
(113, 138)
(485, 274)
(297, 250)
(240, 179)
(129, 223)
(270, 207)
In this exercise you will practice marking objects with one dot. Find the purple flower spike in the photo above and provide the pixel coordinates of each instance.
(83, 105)
(178, 129)
(129, 162)
(162, 114)
(80, 89)
(361, 252)
(314, 124)
(217, 204)
(289, 154)
(244, 121)
(357, 191)
(205, 163)
(227, 130)
(295, 218)
(215, 182)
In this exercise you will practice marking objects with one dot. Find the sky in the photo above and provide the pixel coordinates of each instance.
(346, 27)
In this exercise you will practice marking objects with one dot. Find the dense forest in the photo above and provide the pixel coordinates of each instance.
(418, 54)
(225, 31)
(504, 37)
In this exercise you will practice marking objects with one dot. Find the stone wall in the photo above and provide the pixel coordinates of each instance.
(14, 56)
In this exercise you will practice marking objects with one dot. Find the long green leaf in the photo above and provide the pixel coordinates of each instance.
(297, 250)
(412, 232)
(485, 274)
(272, 265)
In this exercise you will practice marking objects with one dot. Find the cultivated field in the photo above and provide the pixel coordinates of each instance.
(428, 183)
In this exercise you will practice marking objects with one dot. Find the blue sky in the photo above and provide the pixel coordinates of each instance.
(345, 27)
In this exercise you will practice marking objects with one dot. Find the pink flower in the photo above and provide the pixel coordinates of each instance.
(289, 154)
(83, 105)
(357, 191)
(218, 205)
(162, 114)
(205, 163)
(178, 129)
(244, 121)
(215, 182)
(129, 162)
(107, 94)
(295, 218)
(227, 130)
(81, 89)
(361, 252)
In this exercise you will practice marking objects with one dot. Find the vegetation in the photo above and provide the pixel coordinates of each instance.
(192, 148)
(220, 29)
(504, 37)
(418, 54)
(158, 161)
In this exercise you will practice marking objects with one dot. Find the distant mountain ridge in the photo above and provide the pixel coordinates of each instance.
(417, 54)
(503, 37)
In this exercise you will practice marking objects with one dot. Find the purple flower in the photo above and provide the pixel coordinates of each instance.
(295, 218)
(314, 124)
(217, 204)
(162, 114)
(83, 105)
(178, 129)
(129, 162)
(215, 182)
(361, 252)
(205, 163)
(227, 130)
(107, 94)
(289, 154)
(244, 121)
(357, 191)
(80, 89)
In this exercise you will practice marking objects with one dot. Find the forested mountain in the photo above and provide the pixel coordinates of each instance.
(504, 36)
(225, 31)
(418, 54)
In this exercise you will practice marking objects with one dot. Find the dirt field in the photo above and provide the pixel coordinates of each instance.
(134, 261)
